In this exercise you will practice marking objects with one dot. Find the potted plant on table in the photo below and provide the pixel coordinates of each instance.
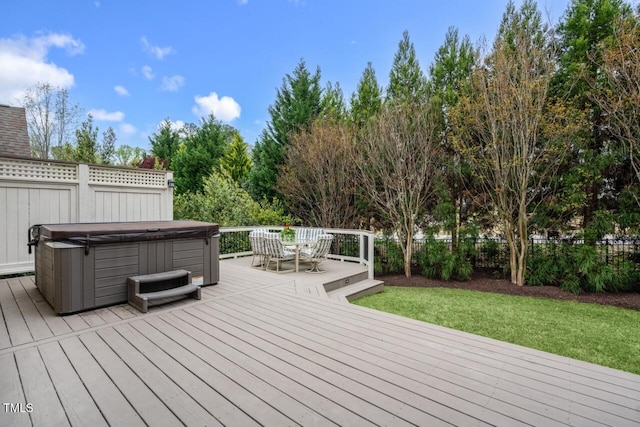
(288, 234)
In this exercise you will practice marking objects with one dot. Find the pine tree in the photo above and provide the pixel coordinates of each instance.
(449, 74)
(591, 184)
(407, 83)
(165, 141)
(366, 101)
(86, 149)
(297, 104)
(236, 163)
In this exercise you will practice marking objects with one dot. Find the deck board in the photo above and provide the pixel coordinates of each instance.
(39, 390)
(270, 349)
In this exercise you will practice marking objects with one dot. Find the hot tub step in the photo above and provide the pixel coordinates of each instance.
(158, 288)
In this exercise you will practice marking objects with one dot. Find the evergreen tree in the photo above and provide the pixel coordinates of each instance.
(107, 149)
(165, 142)
(366, 101)
(297, 104)
(593, 174)
(332, 104)
(236, 163)
(200, 154)
(450, 74)
(407, 83)
(86, 149)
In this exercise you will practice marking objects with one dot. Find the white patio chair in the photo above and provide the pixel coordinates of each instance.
(318, 253)
(256, 238)
(277, 252)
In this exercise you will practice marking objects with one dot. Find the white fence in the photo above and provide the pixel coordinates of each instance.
(45, 192)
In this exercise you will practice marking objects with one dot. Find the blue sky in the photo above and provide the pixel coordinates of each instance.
(134, 63)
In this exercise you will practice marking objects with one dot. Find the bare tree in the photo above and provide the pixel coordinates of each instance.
(399, 163)
(508, 131)
(318, 178)
(51, 118)
(620, 99)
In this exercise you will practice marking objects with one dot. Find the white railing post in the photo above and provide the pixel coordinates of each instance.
(371, 244)
(86, 197)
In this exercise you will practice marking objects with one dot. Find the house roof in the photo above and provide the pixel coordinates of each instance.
(14, 137)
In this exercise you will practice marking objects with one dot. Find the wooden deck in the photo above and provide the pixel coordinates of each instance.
(273, 349)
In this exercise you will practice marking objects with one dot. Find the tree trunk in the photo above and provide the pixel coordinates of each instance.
(408, 254)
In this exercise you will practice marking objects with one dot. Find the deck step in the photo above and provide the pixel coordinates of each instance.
(159, 288)
(357, 290)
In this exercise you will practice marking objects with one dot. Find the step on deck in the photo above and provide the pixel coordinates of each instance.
(356, 290)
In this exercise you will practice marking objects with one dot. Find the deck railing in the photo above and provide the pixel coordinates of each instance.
(347, 245)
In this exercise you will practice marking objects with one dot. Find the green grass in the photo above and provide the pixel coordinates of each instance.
(608, 336)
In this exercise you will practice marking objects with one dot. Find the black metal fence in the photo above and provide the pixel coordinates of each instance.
(494, 253)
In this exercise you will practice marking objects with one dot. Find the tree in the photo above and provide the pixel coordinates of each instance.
(593, 164)
(366, 101)
(126, 155)
(407, 82)
(200, 153)
(51, 118)
(317, 180)
(86, 149)
(620, 78)
(332, 105)
(236, 163)
(508, 132)
(398, 160)
(107, 150)
(450, 73)
(165, 141)
(297, 104)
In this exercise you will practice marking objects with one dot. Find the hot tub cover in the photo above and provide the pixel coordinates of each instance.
(88, 234)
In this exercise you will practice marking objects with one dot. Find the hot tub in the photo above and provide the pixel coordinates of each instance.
(84, 266)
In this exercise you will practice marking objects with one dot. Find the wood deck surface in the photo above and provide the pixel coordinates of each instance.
(271, 349)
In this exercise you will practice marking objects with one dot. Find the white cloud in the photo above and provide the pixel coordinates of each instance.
(105, 116)
(172, 84)
(225, 109)
(24, 63)
(157, 51)
(128, 129)
(177, 125)
(121, 90)
(147, 72)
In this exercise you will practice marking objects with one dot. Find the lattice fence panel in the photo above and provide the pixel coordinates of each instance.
(122, 177)
(37, 170)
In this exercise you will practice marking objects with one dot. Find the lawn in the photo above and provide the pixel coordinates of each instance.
(608, 336)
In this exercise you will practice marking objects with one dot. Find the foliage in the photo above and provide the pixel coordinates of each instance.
(222, 201)
(620, 96)
(407, 83)
(165, 142)
(297, 104)
(388, 256)
(200, 153)
(366, 101)
(450, 74)
(593, 333)
(440, 261)
(578, 267)
(594, 173)
(332, 105)
(236, 163)
(398, 161)
(511, 136)
(51, 118)
(317, 180)
(126, 155)
(87, 148)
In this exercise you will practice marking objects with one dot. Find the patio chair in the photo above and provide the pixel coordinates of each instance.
(318, 253)
(276, 252)
(256, 238)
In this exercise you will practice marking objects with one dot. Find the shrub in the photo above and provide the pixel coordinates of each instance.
(388, 257)
(438, 261)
